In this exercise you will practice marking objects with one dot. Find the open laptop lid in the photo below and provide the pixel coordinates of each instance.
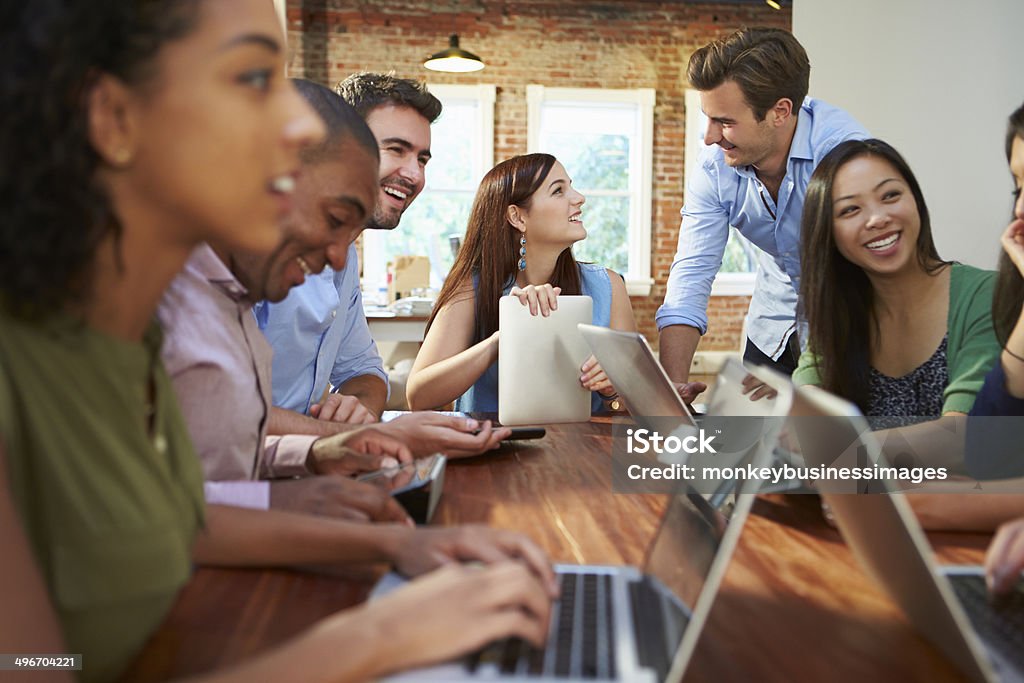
(695, 542)
(881, 529)
(539, 361)
(636, 374)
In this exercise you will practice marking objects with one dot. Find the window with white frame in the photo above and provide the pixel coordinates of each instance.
(462, 150)
(739, 263)
(604, 139)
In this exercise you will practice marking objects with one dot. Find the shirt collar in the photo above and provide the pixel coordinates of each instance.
(205, 263)
(800, 148)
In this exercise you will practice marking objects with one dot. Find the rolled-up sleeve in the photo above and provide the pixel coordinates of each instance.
(285, 456)
(703, 234)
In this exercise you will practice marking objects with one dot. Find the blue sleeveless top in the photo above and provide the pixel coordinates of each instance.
(482, 397)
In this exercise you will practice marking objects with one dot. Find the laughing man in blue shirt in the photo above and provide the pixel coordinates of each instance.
(761, 150)
(319, 333)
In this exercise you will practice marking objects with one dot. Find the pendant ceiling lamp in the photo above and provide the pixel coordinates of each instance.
(454, 59)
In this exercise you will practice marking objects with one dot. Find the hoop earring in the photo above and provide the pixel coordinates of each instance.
(522, 253)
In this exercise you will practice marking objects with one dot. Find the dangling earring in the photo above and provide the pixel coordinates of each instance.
(522, 253)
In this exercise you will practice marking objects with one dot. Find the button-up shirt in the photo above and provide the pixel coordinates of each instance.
(219, 364)
(319, 334)
(719, 196)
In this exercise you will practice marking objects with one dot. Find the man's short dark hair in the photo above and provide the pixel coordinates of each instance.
(340, 119)
(767, 64)
(367, 91)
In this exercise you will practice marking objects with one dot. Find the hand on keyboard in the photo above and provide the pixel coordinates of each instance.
(1005, 557)
(457, 609)
(426, 549)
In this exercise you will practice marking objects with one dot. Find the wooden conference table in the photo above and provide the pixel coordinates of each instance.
(794, 606)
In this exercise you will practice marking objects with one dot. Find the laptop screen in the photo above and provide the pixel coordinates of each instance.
(630, 364)
(685, 547)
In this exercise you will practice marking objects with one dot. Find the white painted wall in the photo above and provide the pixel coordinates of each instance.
(937, 80)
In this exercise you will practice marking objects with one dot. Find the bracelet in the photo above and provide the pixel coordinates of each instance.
(1013, 355)
(614, 395)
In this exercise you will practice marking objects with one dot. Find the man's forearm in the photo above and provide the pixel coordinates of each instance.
(283, 421)
(371, 391)
(269, 538)
(677, 344)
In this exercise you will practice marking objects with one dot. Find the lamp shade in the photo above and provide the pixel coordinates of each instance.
(454, 59)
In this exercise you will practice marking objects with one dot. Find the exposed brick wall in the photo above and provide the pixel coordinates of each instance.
(631, 44)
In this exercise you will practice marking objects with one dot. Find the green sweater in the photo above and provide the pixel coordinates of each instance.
(110, 509)
(971, 348)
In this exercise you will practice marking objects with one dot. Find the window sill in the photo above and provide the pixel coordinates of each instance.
(639, 287)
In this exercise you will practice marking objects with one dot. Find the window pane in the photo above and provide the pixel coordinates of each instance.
(607, 223)
(594, 161)
(426, 227)
(453, 138)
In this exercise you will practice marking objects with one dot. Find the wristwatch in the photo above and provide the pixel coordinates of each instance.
(614, 402)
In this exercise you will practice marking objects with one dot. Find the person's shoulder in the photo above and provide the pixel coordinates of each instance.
(970, 291)
(463, 292)
(190, 297)
(196, 320)
(592, 268)
(969, 279)
(830, 125)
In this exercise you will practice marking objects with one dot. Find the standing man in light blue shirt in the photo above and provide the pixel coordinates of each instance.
(319, 332)
(764, 139)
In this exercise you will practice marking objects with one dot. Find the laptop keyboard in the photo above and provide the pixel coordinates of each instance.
(581, 638)
(652, 650)
(1001, 624)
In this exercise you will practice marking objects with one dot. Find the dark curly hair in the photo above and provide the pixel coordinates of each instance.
(367, 91)
(54, 214)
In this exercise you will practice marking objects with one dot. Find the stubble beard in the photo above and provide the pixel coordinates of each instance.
(384, 220)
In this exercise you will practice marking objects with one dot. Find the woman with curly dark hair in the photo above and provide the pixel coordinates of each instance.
(133, 131)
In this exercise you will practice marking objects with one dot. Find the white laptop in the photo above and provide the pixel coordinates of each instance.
(616, 623)
(947, 604)
(539, 360)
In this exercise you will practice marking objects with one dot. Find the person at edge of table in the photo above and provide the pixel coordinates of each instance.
(995, 428)
(133, 132)
(224, 371)
(764, 138)
(525, 218)
(219, 362)
(896, 329)
(994, 445)
(319, 331)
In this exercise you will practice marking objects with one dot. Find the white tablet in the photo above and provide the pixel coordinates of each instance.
(539, 361)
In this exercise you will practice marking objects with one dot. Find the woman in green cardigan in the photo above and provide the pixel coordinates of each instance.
(893, 327)
(905, 335)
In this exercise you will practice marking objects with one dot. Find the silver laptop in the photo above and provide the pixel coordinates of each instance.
(947, 604)
(651, 397)
(636, 374)
(539, 360)
(616, 623)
